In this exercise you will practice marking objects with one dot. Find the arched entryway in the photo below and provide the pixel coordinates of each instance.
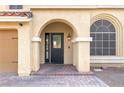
(54, 27)
(56, 46)
(75, 44)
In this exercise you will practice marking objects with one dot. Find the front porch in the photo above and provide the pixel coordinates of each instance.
(59, 69)
(58, 42)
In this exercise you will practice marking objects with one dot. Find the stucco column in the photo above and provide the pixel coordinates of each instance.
(82, 53)
(82, 43)
(24, 50)
(36, 53)
(74, 53)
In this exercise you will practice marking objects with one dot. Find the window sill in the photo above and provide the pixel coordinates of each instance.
(106, 59)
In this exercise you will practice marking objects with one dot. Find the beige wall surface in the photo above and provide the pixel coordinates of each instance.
(43, 17)
(48, 17)
(74, 20)
(24, 46)
(79, 20)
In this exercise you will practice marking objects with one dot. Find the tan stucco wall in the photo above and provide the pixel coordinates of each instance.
(77, 19)
(3, 7)
(25, 49)
(24, 45)
(58, 28)
(43, 17)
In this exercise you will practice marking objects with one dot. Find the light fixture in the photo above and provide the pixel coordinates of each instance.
(20, 24)
(69, 37)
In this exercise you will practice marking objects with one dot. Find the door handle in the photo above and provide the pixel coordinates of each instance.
(14, 61)
(14, 38)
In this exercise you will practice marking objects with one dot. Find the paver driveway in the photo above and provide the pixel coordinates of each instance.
(54, 76)
(113, 76)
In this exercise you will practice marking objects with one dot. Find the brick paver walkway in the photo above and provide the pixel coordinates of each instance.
(54, 76)
(52, 69)
(112, 76)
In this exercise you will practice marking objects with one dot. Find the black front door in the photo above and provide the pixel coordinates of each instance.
(55, 48)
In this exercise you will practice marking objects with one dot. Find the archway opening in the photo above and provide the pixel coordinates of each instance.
(56, 46)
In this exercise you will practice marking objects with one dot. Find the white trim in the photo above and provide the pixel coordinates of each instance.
(82, 39)
(14, 19)
(106, 59)
(36, 39)
(75, 6)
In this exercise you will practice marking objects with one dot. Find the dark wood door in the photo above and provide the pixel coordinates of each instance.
(57, 48)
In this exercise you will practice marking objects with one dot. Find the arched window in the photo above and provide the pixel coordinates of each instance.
(103, 33)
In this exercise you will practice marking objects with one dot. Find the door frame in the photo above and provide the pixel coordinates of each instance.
(49, 46)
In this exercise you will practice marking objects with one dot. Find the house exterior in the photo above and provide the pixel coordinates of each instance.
(83, 36)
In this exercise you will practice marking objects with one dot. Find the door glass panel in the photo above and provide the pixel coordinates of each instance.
(56, 41)
(47, 42)
(47, 47)
(47, 55)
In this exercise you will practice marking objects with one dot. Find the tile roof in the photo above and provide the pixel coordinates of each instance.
(18, 14)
